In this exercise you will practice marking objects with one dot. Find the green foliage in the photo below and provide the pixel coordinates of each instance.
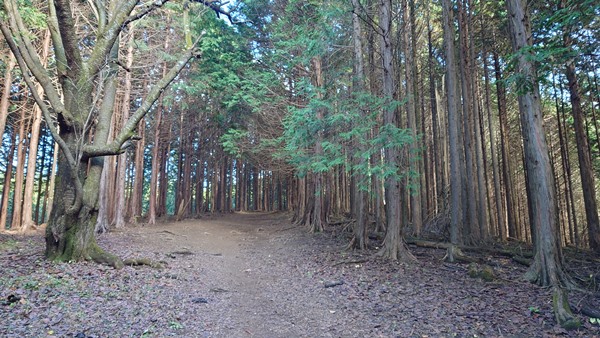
(232, 139)
(175, 325)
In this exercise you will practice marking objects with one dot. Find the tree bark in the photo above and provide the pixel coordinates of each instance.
(586, 169)
(547, 268)
(27, 214)
(393, 243)
(359, 196)
(7, 186)
(411, 95)
(70, 232)
(456, 207)
(6, 86)
(120, 203)
(17, 210)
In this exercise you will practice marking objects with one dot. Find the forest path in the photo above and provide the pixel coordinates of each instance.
(242, 265)
(255, 275)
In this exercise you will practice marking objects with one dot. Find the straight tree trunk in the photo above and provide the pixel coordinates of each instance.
(155, 168)
(6, 87)
(50, 187)
(318, 221)
(586, 169)
(120, 203)
(17, 210)
(40, 184)
(547, 269)
(566, 162)
(438, 172)
(504, 146)
(501, 223)
(456, 207)
(164, 156)
(7, 186)
(359, 197)
(471, 197)
(138, 180)
(411, 95)
(393, 246)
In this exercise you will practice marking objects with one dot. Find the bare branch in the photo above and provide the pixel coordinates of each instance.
(17, 42)
(64, 17)
(49, 122)
(116, 146)
(144, 11)
(218, 7)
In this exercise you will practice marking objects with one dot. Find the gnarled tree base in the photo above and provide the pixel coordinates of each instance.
(562, 310)
(455, 254)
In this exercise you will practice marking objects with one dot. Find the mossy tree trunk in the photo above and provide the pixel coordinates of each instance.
(82, 106)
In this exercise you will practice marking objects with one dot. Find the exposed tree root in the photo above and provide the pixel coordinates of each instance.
(100, 256)
(143, 261)
(522, 260)
(397, 252)
(444, 245)
(590, 312)
(455, 254)
(354, 261)
(562, 311)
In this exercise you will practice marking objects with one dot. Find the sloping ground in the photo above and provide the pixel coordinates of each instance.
(254, 275)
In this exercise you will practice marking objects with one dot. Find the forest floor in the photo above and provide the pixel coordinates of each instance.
(255, 275)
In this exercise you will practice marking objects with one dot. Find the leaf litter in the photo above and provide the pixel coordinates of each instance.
(267, 283)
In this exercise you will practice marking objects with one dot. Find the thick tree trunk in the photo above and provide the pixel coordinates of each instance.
(70, 235)
(411, 95)
(393, 245)
(138, 181)
(456, 207)
(359, 205)
(468, 133)
(547, 267)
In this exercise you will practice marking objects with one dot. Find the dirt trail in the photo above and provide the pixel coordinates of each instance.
(240, 264)
(255, 275)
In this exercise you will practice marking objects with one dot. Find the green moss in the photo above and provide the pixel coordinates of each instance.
(487, 274)
(562, 310)
(473, 270)
(8, 245)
